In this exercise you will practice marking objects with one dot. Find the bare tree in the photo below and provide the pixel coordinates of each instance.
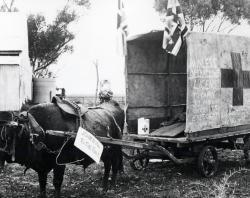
(5, 7)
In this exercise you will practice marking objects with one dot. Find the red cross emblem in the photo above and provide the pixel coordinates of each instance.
(236, 78)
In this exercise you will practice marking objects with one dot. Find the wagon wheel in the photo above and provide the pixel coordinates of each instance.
(139, 163)
(246, 148)
(208, 161)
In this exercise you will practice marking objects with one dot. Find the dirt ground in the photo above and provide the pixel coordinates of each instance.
(159, 179)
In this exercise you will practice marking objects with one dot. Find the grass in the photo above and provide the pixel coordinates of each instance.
(158, 180)
(223, 188)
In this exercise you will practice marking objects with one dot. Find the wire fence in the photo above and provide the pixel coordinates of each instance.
(90, 100)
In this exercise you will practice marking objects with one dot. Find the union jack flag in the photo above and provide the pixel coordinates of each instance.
(122, 29)
(175, 29)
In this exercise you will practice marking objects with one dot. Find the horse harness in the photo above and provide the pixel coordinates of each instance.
(37, 134)
(3, 136)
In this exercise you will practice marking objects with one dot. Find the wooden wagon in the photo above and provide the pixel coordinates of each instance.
(197, 101)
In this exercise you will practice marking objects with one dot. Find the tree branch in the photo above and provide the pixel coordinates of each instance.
(232, 29)
(11, 4)
(222, 21)
(53, 56)
(226, 27)
(203, 25)
(6, 5)
(47, 64)
(208, 26)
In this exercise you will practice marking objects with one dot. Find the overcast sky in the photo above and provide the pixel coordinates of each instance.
(96, 40)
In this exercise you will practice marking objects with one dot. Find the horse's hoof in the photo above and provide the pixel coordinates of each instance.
(57, 195)
(247, 162)
(113, 184)
(105, 188)
(103, 193)
(42, 195)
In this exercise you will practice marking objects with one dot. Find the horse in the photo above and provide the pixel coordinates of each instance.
(40, 152)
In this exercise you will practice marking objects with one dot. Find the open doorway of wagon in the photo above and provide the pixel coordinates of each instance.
(43, 89)
(156, 84)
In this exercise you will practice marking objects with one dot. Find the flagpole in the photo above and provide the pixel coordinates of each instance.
(125, 128)
(122, 50)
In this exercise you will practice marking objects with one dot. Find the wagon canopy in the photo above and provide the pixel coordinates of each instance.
(218, 81)
(209, 80)
(156, 81)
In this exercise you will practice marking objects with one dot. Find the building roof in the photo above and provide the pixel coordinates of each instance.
(14, 33)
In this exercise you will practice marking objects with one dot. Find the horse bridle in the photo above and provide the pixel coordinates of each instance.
(3, 136)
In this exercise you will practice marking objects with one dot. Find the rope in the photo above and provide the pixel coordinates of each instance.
(2, 133)
(3, 149)
(42, 146)
(125, 118)
(110, 114)
(60, 151)
(64, 144)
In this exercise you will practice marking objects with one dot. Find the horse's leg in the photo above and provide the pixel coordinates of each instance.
(42, 176)
(115, 166)
(116, 161)
(2, 160)
(120, 155)
(246, 147)
(58, 179)
(107, 167)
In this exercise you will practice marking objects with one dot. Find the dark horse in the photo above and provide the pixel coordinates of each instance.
(39, 153)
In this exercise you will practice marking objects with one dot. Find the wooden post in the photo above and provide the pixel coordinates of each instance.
(97, 79)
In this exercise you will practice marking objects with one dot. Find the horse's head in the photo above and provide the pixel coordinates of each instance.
(8, 135)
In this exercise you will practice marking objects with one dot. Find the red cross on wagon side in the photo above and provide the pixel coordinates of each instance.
(236, 78)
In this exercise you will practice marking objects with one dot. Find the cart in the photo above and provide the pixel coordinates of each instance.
(197, 102)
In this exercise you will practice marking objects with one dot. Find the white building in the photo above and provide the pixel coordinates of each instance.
(15, 69)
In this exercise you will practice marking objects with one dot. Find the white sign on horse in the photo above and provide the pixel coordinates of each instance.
(88, 144)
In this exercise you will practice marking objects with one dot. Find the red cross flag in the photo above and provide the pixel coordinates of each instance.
(175, 29)
(122, 29)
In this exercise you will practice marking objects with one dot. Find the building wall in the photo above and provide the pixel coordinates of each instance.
(14, 60)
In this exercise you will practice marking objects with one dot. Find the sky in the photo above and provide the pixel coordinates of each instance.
(95, 40)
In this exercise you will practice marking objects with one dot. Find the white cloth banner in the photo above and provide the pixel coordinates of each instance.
(88, 144)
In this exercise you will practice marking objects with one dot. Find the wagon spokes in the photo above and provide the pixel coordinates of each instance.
(208, 161)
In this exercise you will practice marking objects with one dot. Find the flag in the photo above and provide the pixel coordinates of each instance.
(122, 29)
(175, 29)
